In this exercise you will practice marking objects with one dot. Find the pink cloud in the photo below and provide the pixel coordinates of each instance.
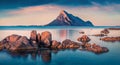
(32, 9)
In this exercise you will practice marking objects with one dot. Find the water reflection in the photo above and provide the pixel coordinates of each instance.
(45, 55)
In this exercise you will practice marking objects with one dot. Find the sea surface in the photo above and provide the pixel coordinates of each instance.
(62, 57)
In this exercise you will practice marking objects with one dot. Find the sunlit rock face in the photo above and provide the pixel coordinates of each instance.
(46, 39)
(84, 39)
(33, 38)
(16, 42)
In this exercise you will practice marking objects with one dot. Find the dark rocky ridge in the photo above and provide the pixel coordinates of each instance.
(66, 19)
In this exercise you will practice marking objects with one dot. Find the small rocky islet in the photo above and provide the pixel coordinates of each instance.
(16, 43)
(105, 33)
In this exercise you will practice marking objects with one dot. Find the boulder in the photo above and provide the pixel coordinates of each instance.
(84, 39)
(60, 46)
(16, 42)
(69, 44)
(33, 35)
(46, 39)
(105, 31)
(81, 32)
(94, 48)
(55, 44)
(34, 38)
(39, 37)
(98, 49)
(1, 46)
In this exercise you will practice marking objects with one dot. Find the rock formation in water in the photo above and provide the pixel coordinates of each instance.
(105, 31)
(91, 47)
(110, 39)
(16, 42)
(44, 40)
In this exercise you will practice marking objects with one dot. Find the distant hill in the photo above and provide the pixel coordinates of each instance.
(67, 19)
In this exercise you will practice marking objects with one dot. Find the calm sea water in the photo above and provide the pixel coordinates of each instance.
(62, 57)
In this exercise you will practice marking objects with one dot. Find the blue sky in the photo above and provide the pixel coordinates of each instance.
(41, 12)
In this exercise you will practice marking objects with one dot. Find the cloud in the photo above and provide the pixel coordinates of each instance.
(12, 4)
(32, 9)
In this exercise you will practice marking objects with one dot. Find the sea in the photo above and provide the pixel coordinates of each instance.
(62, 57)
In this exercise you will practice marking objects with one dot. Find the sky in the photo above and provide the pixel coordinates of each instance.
(41, 12)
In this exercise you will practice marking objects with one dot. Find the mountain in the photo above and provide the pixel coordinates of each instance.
(67, 19)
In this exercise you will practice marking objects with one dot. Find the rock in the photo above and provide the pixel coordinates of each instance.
(94, 48)
(60, 46)
(55, 44)
(84, 39)
(100, 35)
(113, 28)
(34, 38)
(46, 39)
(33, 35)
(98, 49)
(39, 39)
(110, 39)
(81, 32)
(16, 42)
(69, 44)
(87, 45)
(105, 31)
(105, 49)
(1, 46)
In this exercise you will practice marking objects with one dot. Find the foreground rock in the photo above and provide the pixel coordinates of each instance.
(91, 47)
(33, 38)
(84, 39)
(69, 44)
(55, 44)
(66, 44)
(16, 42)
(46, 39)
(94, 48)
(110, 39)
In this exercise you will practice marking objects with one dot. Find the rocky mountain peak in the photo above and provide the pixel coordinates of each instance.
(67, 19)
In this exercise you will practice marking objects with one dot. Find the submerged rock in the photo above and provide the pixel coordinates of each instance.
(105, 31)
(99, 35)
(81, 32)
(113, 28)
(110, 39)
(46, 39)
(84, 39)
